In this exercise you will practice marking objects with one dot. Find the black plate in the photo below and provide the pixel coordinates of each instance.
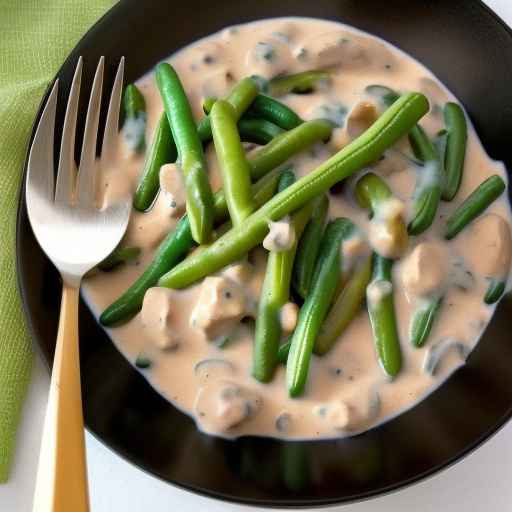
(470, 50)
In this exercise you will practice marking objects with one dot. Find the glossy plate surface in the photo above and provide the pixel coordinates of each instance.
(470, 50)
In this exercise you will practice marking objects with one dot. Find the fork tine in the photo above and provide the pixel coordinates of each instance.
(40, 163)
(86, 173)
(108, 148)
(66, 173)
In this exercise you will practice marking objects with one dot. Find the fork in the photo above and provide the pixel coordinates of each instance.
(75, 235)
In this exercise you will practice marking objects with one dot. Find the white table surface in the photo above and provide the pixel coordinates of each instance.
(481, 482)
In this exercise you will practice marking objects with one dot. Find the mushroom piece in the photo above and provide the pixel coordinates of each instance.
(281, 235)
(436, 353)
(224, 404)
(360, 118)
(220, 306)
(492, 242)
(173, 188)
(284, 422)
(334, 49)
(212, 368)
(240, 273)
(387, 232)
(425, 269)
(156, 315)
(288, 317)
(336, 414)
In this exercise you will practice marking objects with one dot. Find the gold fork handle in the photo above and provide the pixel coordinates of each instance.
(61, 484)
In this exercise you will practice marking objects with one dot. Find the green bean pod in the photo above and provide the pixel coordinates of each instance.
(275, 293)
(495, 290)
(252, 129)
(284, 350)
(372, 192)
(240, 97)
(457, 133)
(134, 113)
(274, 111)
(190, 152)
(288, 144)
(312, 314)
(344, 309)
(476, 203)
(307, 250)
(367, 148)
(208, 104)
(119, 256)
(423, 320)
(173, 249)
(162, 151)
(428, 187)
(234, 168)
(305, 81)
(381, 311)
(258, 131)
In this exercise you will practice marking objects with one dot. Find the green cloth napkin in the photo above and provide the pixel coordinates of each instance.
(36, 36)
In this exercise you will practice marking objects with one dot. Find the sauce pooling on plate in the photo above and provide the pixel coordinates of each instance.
(195, 345)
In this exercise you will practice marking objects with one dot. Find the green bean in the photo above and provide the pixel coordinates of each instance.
(118, 256)
(381, 310)
(284, 350)
(495, 290)
(457, 133)
(372, 192)
(288, 144)
(367, 148)
(344, 309)
(476, 203)
(161, 151)
(190, 152)
(298, 83)
(134, 126)
(428, 186)
(208, 104)
(308, 247)
(258, 131)
(234, 167)
(252, 129)
(173, 249)
(240, 97)
(312, 313)
(275, 293)
(274, 111)
(423, 320)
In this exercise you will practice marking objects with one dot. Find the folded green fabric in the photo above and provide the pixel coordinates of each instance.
(36, 36)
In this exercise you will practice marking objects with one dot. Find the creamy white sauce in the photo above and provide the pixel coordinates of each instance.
(347, 390)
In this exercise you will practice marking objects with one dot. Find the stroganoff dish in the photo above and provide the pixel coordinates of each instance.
(318, 238)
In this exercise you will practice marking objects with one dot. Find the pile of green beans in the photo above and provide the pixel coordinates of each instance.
(392, 124)
(229, 224)
(275, 293)
(312, 314)
(179, 242)
(428, 189)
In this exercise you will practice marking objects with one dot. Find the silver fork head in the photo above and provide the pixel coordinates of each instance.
(73, 232)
